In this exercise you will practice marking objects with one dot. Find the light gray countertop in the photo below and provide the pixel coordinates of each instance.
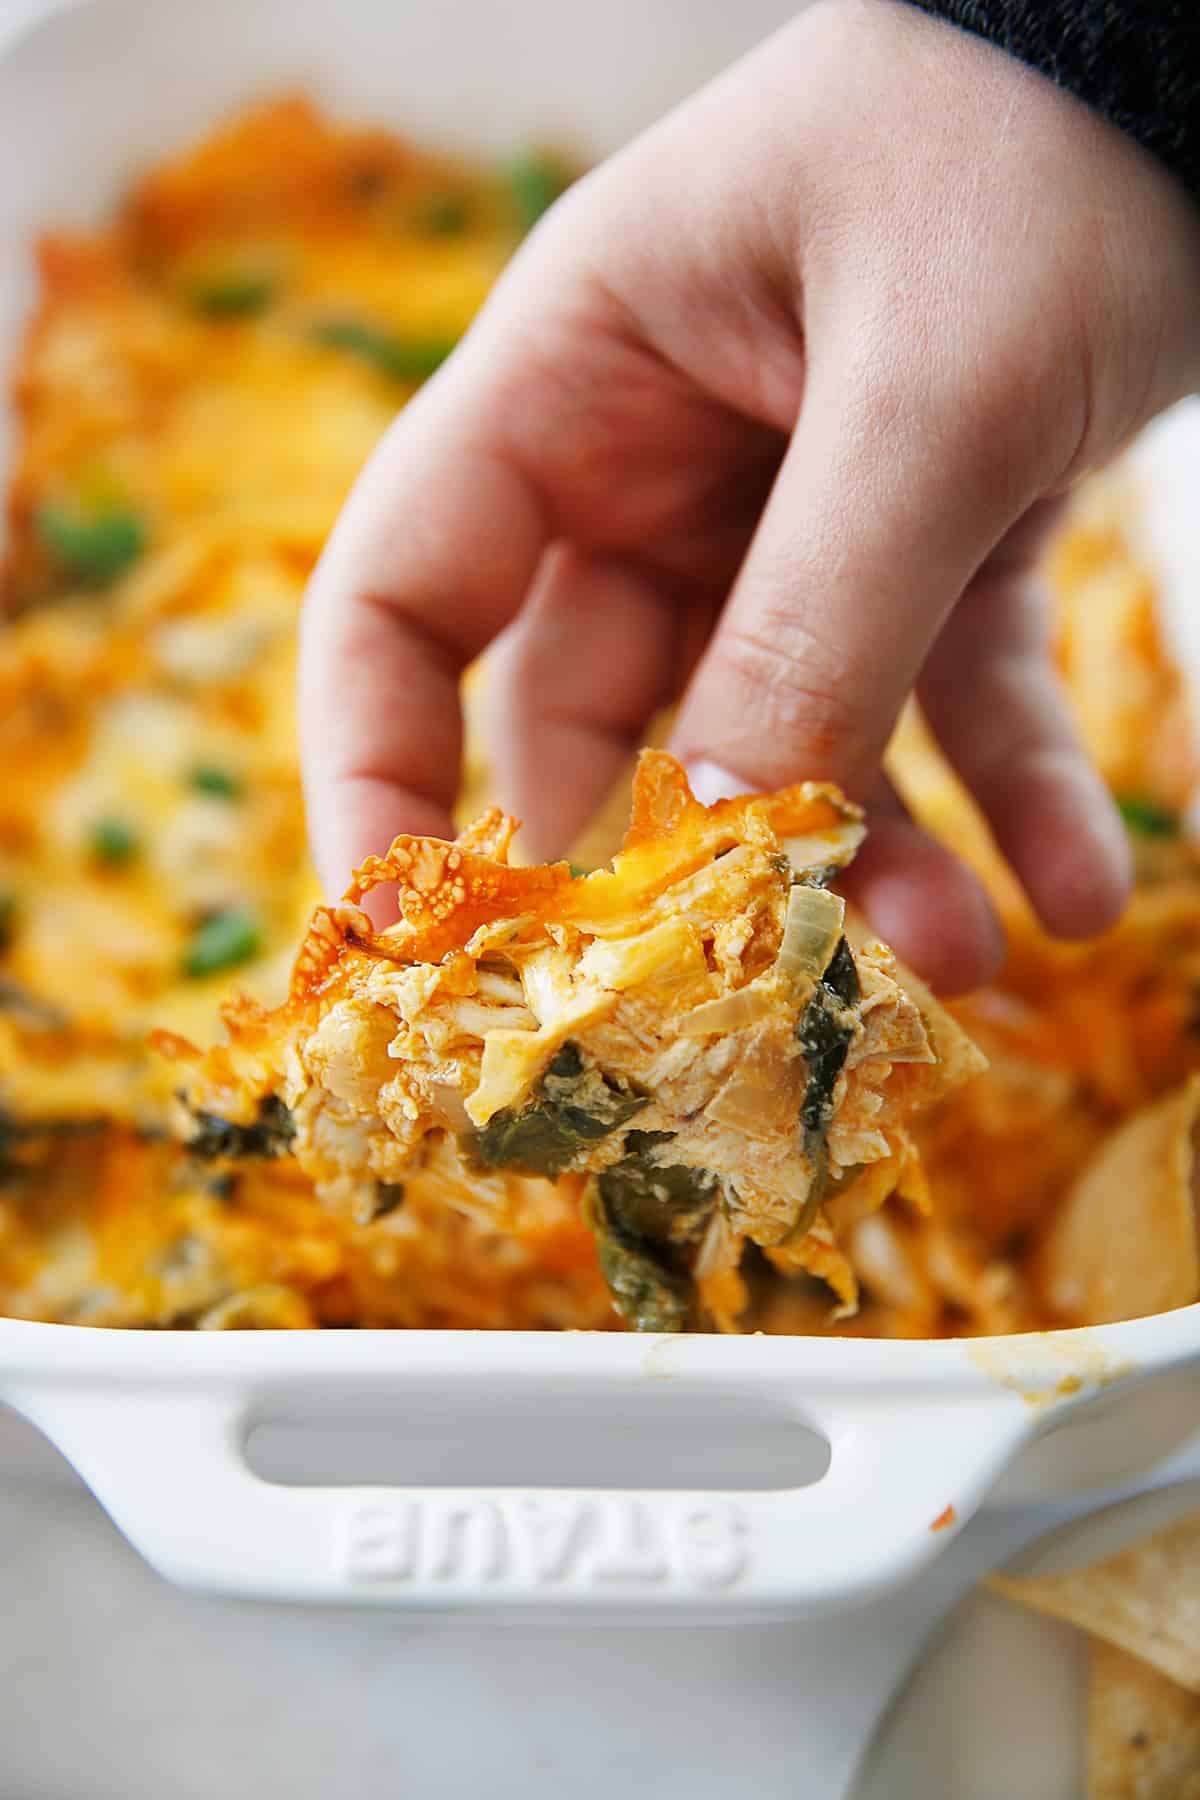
(115, 1686)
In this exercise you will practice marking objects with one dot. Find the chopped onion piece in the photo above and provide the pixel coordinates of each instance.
(548, 986)
(720, 1248)
(893, 1036)
(814, 922)
(729, 1012)
(512, 1061)
(847, 1147)
(748, 1103)
(495, 985)
(446, 1104)
(887, 1267)
(825, 849)
(475, 1018)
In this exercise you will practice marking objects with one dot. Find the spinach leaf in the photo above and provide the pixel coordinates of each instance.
(646, 1291)
(648, 1216)
(825, 1032)
(659, 1202)
(389, 1197)
(269, 1136)
(572, 1106)
(23, 1142)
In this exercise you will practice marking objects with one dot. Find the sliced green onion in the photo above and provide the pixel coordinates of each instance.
(212, 778)
(95, 549)
(222, 942)
(401, 359)
(1146, 818)
(114, 841)
(443, 215)
(536, 181)
(230, 296)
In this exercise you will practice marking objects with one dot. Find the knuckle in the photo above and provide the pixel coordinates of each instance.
(1021, 748)
(786, 686)
(1038, 762)
(999, 395)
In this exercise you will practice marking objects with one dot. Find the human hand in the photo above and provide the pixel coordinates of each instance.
(775, 404)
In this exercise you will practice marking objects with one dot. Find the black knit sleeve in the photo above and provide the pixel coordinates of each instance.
(1137, 62)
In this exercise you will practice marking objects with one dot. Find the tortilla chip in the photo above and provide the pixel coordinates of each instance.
(1124, 1243)
(938, 800)
(1145, 1599)
(1129, 698)
(956, 1057)
(1143, 1731)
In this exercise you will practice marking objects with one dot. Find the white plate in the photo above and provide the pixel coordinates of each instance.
(995, 1710)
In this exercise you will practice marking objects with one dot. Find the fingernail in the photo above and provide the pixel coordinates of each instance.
(710, 782)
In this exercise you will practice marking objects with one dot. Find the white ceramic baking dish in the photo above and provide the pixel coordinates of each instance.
(515, 1473)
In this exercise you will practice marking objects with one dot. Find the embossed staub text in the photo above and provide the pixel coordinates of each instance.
(543, 1541)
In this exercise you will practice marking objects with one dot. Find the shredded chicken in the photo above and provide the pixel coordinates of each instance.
(698, 1030)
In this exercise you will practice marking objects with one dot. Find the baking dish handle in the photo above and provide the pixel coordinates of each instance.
(170, 1470)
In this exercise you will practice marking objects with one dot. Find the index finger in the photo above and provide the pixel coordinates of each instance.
(431, 557)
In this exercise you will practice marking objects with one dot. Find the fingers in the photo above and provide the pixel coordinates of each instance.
(881, 517)
(553, 421)
(883, 510)
(572, 684)
(991, 697)
(431, 557)
(923, 900)
(604, 641)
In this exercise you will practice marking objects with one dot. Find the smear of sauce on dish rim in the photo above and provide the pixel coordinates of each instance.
(1050, 1367)
(657, 1359)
